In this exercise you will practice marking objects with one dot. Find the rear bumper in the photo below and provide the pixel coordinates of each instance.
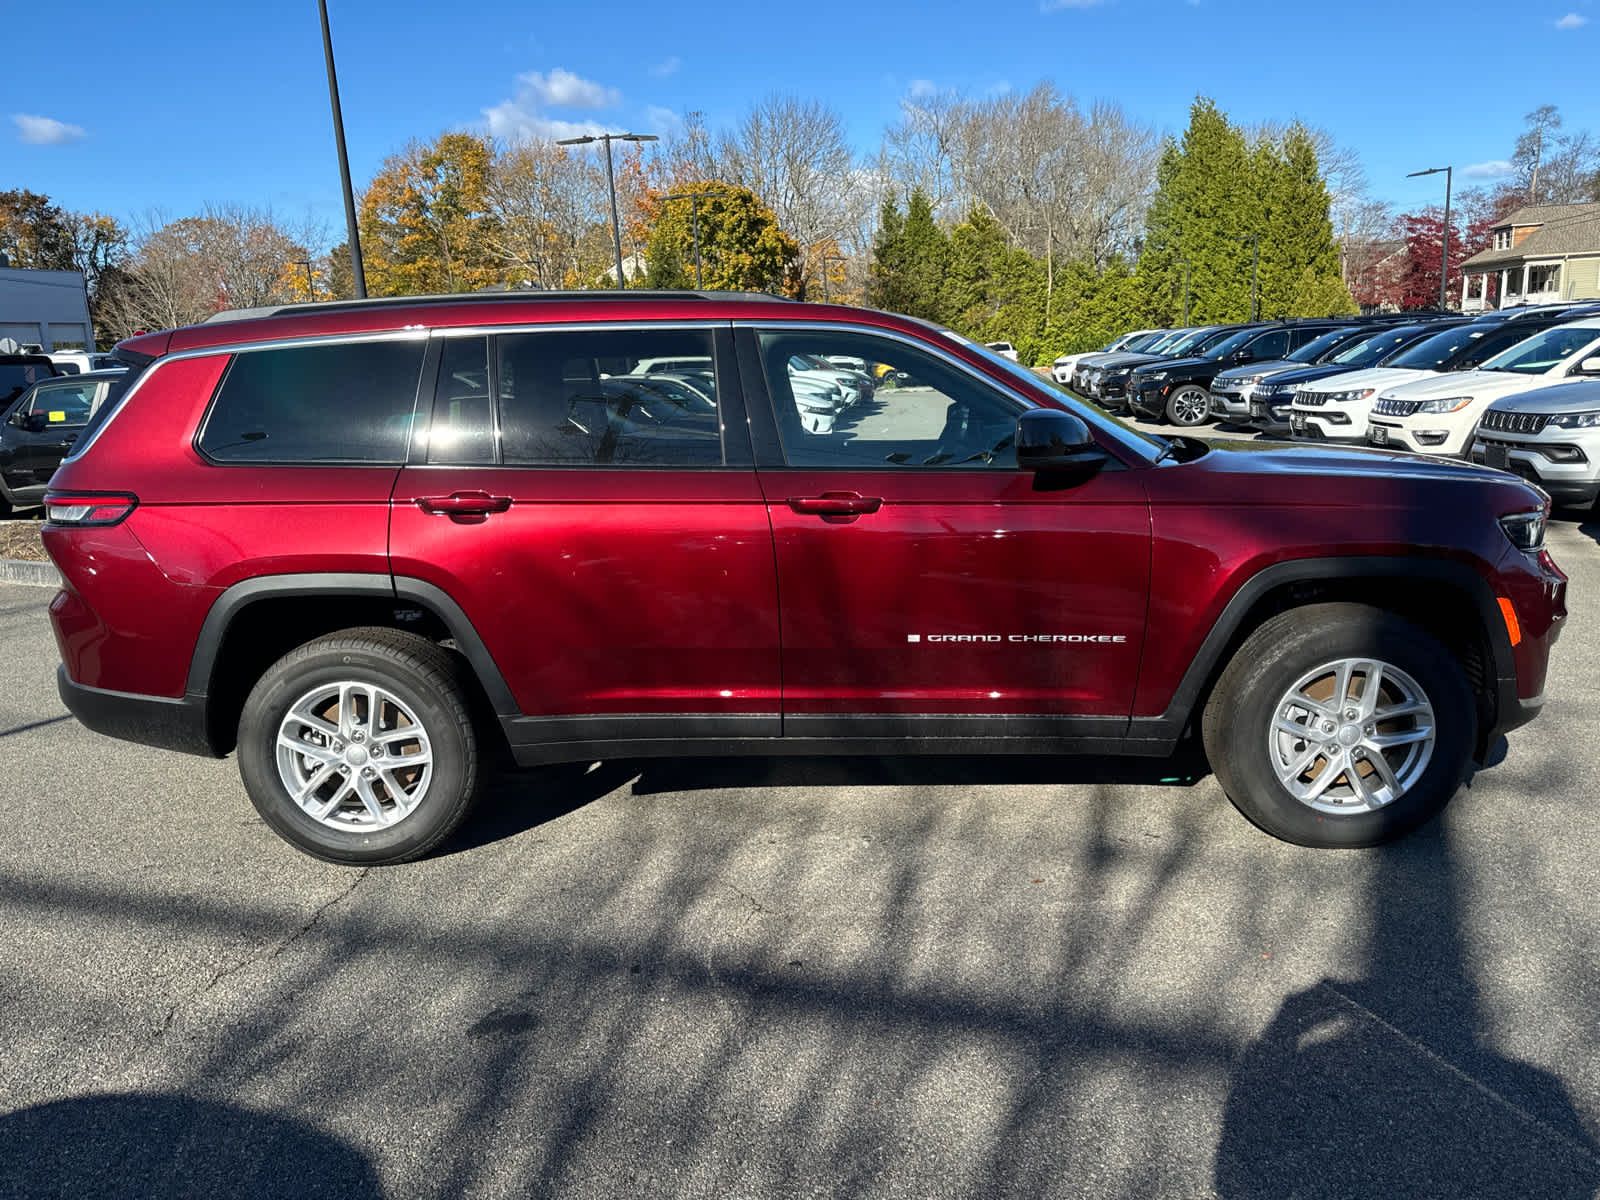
(150, 720)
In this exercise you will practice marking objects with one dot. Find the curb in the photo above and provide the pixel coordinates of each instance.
(38, 574)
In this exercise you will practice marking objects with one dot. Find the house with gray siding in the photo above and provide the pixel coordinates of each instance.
(1539, 254)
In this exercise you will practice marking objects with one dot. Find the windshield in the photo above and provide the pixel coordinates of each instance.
(1183, 345)
(1431, 354)
(1373, 350)
(1171, 338)
(1317, 347)
(1229, 344)
(1144, 341)
(1211, 338)
(1544, 350)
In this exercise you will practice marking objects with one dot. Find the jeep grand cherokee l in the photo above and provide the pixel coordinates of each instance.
(363, 544)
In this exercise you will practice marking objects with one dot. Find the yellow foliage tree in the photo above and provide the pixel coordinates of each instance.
(426, 223)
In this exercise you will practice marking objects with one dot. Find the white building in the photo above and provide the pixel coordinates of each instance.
(45, 308)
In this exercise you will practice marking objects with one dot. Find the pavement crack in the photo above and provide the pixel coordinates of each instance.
(264, 955)
(1472, 1081)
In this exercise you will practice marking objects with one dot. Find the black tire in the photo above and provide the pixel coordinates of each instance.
(1263, 672)
(423, 679)
(1188, 405)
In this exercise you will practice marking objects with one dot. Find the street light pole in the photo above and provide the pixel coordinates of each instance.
(311, 283)
(1255, 272)
(1444, 251)
(358, 273)
(611, 181)
(826, 259)
(694, 199)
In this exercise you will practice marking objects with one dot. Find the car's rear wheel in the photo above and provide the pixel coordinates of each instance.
(1339, 725)
(1189, 406)
(358, 747)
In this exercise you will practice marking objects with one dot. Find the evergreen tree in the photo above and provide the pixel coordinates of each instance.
(910, 256)
(1299, 259)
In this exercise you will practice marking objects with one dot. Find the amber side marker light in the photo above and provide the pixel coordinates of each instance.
(1510, 615)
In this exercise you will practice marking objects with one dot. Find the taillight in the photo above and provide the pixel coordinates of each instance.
(77, 510)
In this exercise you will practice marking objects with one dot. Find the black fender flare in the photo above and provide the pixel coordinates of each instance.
(1208, 658)
(399, 589)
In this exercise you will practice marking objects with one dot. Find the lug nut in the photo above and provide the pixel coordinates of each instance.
(1349, 714)
(368, 773)
(1371, 729)
(1327, 727)
(358, 736)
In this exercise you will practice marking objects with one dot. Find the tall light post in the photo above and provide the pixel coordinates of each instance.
(826, 259)
(1255, 272)
(358, 273)
(611, 181)
(311, 282)
(1444, 251)
(694, 199)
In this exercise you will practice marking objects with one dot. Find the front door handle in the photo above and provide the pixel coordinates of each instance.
(465, 504)
(836, 504)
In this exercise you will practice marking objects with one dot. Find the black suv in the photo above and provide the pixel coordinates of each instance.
(1179, 390)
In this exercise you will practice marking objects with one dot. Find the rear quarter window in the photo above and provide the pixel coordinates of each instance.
(351, 402)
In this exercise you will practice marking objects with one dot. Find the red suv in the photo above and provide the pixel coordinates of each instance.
(363, 543)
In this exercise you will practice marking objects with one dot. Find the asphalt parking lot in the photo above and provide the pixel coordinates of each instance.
(1041, 977)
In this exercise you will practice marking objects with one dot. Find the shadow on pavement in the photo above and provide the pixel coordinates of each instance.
(512, 802)
(1385, 1085)
(167, 1147)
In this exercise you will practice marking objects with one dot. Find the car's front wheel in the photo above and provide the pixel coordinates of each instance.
(1340, 725)
(1189, 406)
(359, 747)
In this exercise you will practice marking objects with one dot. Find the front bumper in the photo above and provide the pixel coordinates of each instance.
(1389, 434)
(1270, 416)
(1230, 404)
(1574, 485)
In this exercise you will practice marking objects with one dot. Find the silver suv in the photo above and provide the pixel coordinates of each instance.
(1550, 436)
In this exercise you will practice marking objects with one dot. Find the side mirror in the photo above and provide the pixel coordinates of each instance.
(1051, 440)
(1244, 356)
(35, 422)
(1589, 366)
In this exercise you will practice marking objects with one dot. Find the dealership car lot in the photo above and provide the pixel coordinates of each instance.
(782, 977)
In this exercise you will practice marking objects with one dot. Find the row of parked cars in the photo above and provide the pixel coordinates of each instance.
(1517, 389)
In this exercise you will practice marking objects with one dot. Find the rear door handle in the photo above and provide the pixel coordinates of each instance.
(836, 504)
(465, 504)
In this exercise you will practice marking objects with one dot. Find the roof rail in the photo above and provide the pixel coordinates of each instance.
(487, 298)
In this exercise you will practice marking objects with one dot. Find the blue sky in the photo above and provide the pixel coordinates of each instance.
(190, 103)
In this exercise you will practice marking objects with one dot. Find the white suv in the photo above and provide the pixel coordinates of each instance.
(1440, 414)
(1551, 436)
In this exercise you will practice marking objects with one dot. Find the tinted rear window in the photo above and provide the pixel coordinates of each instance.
(16, 378)
(348, 402)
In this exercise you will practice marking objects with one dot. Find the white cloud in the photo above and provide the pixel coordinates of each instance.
(1572, 21)
(1000, 88)
(46, 131)
(661, 121)
(515, 123)
(1049, 6)
(922, 89)
(524, 117)
(563, 89)
(1494, 169)
(665, 67)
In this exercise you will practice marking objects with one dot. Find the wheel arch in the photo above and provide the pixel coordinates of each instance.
(255, 622)
(1450, 599)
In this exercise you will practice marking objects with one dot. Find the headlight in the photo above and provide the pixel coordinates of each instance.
(1445, 404)
(1526, 530)
(1577, 420)
(1350, 396)
(1152, 376)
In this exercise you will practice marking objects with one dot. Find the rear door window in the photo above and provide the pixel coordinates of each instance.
(575, 398)
(340, 402)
